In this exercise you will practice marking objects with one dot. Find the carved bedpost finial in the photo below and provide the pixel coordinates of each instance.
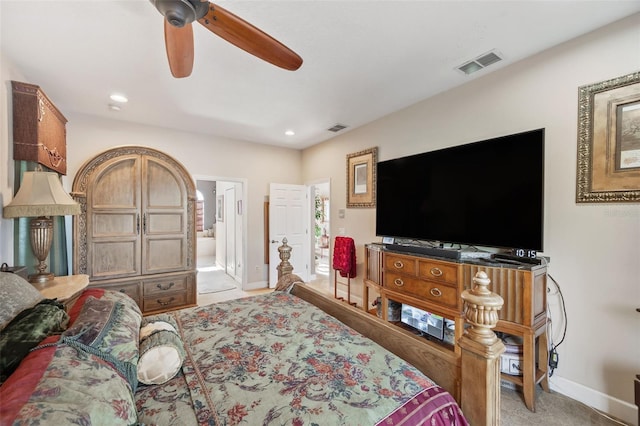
(481, 308)
(284, 267)
(481, 350)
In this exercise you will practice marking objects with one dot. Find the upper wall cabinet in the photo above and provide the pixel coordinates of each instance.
(39, 132)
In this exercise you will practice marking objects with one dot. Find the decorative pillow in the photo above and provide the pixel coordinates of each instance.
(59, 385)
(161, 353)
(101, 293)
(16, 295)
(110, 330)
(287, 281)
(26, 331)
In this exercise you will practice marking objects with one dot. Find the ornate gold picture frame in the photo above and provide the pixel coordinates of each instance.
(361, 178)
(609, 141)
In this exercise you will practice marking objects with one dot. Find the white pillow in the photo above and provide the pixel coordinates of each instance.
(152, 327)
(161, 353)
(16, 295)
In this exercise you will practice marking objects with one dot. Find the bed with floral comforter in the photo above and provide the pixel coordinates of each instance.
(272, 359)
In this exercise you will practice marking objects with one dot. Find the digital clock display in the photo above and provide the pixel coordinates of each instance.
(525, 253)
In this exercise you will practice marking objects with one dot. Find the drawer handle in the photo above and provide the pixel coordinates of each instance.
(436, 272)
(398, 264)
(122, 290)
(398, 282)
(435, 292)
(171, 284)
(168, 302)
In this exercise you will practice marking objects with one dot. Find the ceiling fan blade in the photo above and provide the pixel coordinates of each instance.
(179, 43)
(249, 38)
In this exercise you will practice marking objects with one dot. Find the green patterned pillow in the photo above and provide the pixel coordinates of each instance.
(110, 330)
(26, 331)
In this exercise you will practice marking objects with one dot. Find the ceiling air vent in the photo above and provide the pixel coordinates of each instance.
(480, 62)
(337, 127)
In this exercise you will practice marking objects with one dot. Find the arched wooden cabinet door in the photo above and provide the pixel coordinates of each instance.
(112, 214)
(164, 219)
(136, 232)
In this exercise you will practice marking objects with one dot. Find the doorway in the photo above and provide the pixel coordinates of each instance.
(321, 255)
(220, 231)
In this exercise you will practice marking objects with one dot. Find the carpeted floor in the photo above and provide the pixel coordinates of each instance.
(551, 409)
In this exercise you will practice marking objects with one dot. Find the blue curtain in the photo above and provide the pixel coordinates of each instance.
(23, 255)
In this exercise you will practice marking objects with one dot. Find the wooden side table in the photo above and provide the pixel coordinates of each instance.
(66, 289)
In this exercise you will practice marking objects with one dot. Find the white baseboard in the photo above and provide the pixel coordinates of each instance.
(256, 285)
(617, 408)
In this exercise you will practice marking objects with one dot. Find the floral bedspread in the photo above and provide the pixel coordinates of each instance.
(275, 359)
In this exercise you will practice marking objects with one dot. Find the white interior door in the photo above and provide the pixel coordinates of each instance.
(288, 218)
(230, 227)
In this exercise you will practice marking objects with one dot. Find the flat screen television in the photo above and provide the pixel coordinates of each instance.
(488, 193)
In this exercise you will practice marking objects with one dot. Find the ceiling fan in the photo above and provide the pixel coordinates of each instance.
(178, 35)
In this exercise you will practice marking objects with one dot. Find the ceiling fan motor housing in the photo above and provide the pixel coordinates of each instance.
(181, 12)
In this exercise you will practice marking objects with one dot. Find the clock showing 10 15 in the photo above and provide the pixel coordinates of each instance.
(525, 253)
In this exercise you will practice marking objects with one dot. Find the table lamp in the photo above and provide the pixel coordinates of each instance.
(41, 196)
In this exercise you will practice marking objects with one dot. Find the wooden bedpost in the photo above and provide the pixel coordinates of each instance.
(481, 350)
(284, 267)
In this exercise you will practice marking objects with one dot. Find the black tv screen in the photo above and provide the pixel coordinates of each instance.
(488, 193)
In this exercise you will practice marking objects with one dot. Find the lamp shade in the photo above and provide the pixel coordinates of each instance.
(41, 194)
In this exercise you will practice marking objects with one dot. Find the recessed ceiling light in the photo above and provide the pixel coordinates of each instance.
(289, 133)
(114, 107)
(118, 97)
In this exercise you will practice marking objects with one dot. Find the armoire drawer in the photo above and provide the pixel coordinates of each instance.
(165, 302)
(429, 290)
(158, 287)
(131, 289)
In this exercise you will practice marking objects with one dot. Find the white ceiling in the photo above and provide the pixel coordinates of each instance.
(362, 59)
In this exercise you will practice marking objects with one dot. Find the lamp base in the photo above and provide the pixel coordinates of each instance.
(41, 278)
(41, 233)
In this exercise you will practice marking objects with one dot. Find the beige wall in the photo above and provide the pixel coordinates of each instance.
(594, 249)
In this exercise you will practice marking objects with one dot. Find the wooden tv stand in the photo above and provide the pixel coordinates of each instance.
(435, 285)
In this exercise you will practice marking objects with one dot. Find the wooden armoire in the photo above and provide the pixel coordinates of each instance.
(136, 232)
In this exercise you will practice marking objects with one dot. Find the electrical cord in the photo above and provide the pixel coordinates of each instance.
(553, 352)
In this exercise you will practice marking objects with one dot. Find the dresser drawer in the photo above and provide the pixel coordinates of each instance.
(165, 285)
(399, 263)
(429, 290)
(165, 302)
(438, 271)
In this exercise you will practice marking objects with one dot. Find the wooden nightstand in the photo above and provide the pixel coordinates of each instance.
(66, 289)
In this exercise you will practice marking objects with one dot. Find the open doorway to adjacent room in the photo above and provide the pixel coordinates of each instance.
(220, 230)
(321, 233)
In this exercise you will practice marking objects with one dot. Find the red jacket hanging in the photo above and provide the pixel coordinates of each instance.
(344, 257)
